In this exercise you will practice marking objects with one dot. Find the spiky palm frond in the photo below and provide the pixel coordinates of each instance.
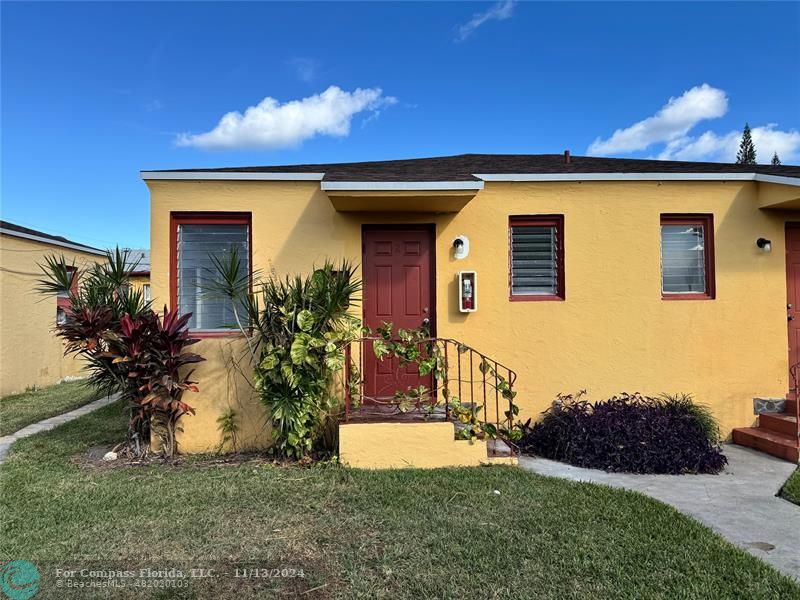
(58, 276)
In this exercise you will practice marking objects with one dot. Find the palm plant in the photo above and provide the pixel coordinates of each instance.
(296, 328)
(127, 348)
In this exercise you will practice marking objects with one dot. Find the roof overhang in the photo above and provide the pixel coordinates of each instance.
(775, 191)
(779, 196)
(228, 176)
(401, 196)
(48, 241)
(793, 181)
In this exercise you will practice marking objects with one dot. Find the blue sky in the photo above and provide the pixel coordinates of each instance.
(92, 93)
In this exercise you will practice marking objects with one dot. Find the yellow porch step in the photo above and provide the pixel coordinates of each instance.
(413, 445)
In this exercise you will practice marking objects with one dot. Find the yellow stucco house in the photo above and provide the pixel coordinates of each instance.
(575, 272)
(30, 353)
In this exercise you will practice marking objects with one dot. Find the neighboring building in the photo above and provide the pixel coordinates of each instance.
(601, 274)
(30, 353)
(139, 259)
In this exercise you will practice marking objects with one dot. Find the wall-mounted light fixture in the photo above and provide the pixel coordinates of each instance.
(461, 247)
(764, 244)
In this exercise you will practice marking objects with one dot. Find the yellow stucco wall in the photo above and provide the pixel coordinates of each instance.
(418, 445)
(30, 354)
(138, 282)
(612, 333)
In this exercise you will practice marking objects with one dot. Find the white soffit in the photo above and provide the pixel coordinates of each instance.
(403, 186)
(229, 176)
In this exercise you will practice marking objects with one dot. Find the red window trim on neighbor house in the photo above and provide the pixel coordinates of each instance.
(706, 221)
(556, 221)
(176, 219)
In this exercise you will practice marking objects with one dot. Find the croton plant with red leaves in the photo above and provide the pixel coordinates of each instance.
(127, 348)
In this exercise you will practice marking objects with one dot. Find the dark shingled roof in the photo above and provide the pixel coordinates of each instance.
(463, 166)
(41, 234)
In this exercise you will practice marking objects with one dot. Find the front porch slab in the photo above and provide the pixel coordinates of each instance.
(413, 445)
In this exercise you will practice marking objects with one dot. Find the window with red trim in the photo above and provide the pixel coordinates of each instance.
(62, 300)
(687, 257)
(536, 257)
(195, 239)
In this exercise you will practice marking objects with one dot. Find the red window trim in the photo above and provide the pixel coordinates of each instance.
(556, 221)
(176, 219)
(707, 222)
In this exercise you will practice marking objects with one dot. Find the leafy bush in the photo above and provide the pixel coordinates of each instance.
(628, 433)
(297, 329)
(127, 348)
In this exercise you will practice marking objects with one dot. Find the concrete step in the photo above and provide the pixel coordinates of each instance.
(778, 422)
(498, 448)
(777, 444)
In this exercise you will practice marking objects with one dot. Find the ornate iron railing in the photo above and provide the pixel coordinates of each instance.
(794, 373)
(467, 386)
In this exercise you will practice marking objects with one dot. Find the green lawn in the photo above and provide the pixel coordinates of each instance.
(19, 410)
(791, 489)
(355, 534)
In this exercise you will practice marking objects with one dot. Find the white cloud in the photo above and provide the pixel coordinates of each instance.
(671, 126)
(305, 68)
(271, 125)
(722, 148)
(672, 122)
(497, 12)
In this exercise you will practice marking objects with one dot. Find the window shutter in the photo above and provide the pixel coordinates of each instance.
(683, 266)
(196, 244)
(534, 260)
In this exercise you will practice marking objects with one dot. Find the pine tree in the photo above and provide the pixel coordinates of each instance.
(747, 151)
(775, 160)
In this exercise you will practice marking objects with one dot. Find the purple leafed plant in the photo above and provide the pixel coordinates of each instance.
(628, 433)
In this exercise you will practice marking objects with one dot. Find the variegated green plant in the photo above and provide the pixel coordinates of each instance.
(297, 329)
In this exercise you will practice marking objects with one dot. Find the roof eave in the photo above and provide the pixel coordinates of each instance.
(50, 242)
(227, 176)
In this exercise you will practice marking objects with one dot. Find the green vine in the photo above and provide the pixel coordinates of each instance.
(415, 346)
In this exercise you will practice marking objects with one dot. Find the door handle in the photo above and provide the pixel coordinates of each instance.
(426, 322)
(790, 317)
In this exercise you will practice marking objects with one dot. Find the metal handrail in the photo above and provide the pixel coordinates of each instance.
(477, 389)
(794, 373)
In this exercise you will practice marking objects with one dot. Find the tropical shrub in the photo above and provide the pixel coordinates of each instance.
(628, 433)
(127, 348)
(297, 329)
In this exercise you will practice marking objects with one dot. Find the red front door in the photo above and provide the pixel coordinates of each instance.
(793, 291)
(398, 268)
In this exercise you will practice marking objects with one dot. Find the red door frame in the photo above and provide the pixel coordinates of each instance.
(430, 228)
(794, 352)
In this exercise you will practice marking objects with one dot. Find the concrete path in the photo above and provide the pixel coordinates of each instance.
(740, 503)
(47, 424)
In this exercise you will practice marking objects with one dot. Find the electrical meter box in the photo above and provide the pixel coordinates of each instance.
(467, 291)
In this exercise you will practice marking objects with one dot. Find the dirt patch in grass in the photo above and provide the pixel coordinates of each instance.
(93, 459)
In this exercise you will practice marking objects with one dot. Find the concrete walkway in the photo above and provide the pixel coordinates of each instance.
(740, 503)
(47, 424)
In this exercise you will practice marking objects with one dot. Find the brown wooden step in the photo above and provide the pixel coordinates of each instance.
(778, 422)
(791, 406)
(771, 442)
